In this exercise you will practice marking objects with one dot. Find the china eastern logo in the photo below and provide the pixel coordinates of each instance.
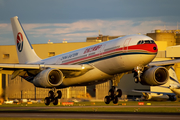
(19, 42)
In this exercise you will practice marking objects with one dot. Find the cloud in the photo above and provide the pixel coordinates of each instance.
(3, 25)
(5, 28)
(80, 30)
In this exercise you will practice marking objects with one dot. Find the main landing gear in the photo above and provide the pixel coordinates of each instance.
(114, 93)
(53, 97)
(137, 73)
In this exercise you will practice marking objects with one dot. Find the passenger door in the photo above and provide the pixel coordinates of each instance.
(126, 44)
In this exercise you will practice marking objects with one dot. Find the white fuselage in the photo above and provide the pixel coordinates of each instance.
(107, 58)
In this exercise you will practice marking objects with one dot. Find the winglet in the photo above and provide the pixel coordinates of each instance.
(25, 51)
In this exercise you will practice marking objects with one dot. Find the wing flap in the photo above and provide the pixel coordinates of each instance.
(70, 67)
(40, 66)
(19, 66)
(34, 69)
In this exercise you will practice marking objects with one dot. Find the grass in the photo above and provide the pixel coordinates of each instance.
(128, 103)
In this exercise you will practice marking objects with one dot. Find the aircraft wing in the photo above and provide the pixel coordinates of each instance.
(141, 91)
(164, 63)
(22, 69)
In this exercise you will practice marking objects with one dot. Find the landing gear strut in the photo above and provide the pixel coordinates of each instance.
(53, 97)
(114, 93)
(137, 73)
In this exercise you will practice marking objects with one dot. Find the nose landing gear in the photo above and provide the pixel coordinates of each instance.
(137, 73)
(53, 97)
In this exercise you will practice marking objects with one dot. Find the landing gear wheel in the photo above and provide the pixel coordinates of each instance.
(111, 93)
(53, 97)
(172, 98)
(51, 94)
(47, 101)
(59, 94)
(55, 102)
(119, 93)
(136, 80)
(115, 100)
(107, 100)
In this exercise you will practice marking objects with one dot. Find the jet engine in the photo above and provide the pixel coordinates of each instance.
(155, 97)
(155, 76)
(147, 96)
(48, 78)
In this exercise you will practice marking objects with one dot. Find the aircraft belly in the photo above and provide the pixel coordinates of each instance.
(91, 76)
(140, 59)
(111, 65)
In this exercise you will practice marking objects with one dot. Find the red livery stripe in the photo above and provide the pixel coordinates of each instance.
(141, 48)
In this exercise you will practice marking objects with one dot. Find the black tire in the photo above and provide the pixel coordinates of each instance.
(111, 93)
(107, 100)
(59, 94)
(115, 100)
(119, 93)
(55, 102)
(136, 80)
(47, 101)
(113, 87)
(51, 94)
(135, 73)
(172, 98)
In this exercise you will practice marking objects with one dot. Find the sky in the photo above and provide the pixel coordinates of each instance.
(75, 20)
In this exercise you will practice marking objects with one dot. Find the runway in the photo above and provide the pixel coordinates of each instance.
(53, 112)
(91, 115)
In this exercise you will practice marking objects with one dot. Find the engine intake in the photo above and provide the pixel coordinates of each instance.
(48, 78)
(155, 76)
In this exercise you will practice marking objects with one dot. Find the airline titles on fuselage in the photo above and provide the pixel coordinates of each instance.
(87, 50)
(91, 49)
(69, 56)
(75, 56)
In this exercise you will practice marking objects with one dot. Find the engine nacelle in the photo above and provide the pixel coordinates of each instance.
(155, 97)
(147, 96)
(155, 76)
(48, 78)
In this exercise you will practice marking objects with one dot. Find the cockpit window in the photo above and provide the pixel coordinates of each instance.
(139, 42)
(145, 42)
(152, 41)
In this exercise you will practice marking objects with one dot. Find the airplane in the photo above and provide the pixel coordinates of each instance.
(168, 91)
(94, 64)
